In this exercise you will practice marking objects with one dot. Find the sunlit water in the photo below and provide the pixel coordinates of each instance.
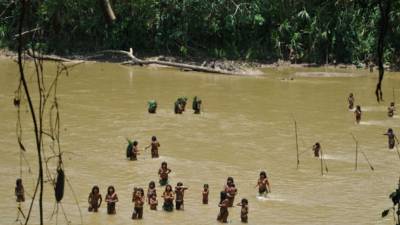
(247, 126)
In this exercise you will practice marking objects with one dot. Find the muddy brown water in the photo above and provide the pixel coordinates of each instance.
(247, 126)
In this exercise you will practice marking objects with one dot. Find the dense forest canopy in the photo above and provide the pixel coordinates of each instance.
(315, 31)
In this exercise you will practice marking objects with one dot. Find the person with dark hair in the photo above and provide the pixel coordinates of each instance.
(391, 138)
(180, 193)
(244, 210)
(111, 199)
(196, 106)
(391, 110)
(154, 147)
(163, 173)
(138, 200)
(94, 199)
(230, 190)
(263, 184)
(168, 197)
(223, 208)
(357, 113)
(205, 193)
(153, 202)
(350, 99)
(135, 151)
(151, 191)
(180, 105)
(19, 191)
(316, 149)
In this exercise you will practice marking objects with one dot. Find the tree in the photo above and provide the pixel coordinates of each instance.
(395, 197)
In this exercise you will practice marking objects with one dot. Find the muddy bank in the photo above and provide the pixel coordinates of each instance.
(236, 67)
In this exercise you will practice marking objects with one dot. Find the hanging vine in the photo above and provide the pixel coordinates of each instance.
(42, 105)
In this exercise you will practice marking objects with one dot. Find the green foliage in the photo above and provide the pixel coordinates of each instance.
(395, 197)
(300, 31)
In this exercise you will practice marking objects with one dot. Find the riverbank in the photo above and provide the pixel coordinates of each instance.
(237, 67)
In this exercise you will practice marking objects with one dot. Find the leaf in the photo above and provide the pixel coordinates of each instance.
(385, 213)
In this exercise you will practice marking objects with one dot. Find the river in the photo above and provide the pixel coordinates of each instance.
(247, 125)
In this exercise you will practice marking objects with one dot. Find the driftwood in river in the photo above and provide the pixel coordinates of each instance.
(136, 61)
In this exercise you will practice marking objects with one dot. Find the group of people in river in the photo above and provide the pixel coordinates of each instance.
(176, 195)
(357, 112)
(179, 105)
(132, 150)
(392, 139)
(227, 196)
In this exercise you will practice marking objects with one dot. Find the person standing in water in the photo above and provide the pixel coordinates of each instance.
(196, 105)
(94, 199)
(230, 191)
(263, 184)
(152, 106)
(151, 191)
(316, 149)
(391, 138)
(111, 199)
(138, 200)
(223, 208)
(391, 109)
(168, 197)
(135, 151)
(163, 173)
(154, 147)
(153, 202)
(244, 210)
(19, 191)
(205, 193)
(350, 99)
(179, 193)
(357, 113)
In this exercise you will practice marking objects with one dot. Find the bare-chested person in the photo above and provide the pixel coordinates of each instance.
(263, 184)
(179, 193)
(94, 199)
(154, 147)
(163, 173)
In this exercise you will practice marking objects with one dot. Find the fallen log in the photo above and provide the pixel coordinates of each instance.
(137, 61)
(52, 58)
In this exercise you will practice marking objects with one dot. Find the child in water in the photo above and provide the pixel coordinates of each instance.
(163, 173)
(391, 138)
(153, 202)
(138, 199)
(111, 199)
(94, 199)
(244, 210)
(350, 99)
(263, 184)
(154, 147)
(205, 193)
(391, 109)
(151, 191)
(316, 149)
(179, 193)
(357, 113)
(223, 208)
(19, 191)
(168, 196)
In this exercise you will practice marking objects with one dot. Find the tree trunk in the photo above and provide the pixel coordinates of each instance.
(384, 8)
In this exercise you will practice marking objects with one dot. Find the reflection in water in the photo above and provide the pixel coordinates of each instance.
(247, 126)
